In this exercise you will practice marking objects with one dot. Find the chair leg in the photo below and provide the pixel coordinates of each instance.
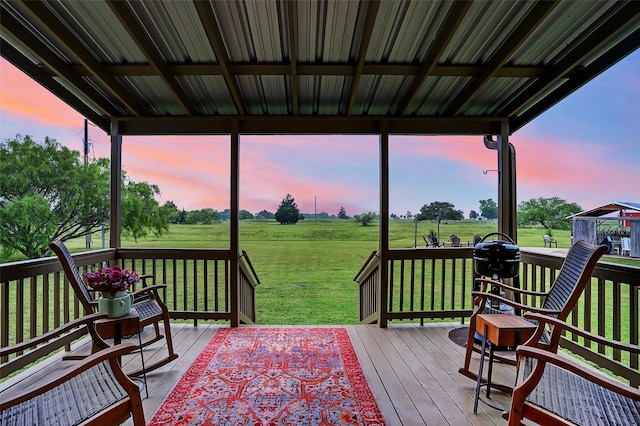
(169, 342)
(465, 371)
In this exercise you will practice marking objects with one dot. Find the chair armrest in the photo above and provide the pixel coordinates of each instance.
(144, 278)
(582, 370)
(482, 298)
(149, 289)
(510, 287)
(27, 344)
(543, 319)
(62, 376)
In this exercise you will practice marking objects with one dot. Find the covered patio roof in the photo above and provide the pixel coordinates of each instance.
(324, 67)
(614, 207)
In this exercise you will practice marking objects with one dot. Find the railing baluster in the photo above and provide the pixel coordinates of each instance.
(33, 308)
(617, 309)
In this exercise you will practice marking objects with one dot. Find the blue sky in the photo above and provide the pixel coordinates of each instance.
(586, 150)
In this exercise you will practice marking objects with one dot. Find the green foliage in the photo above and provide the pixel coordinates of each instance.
(488, 209)
(288, 212)
(143, 213)
(548, 212)
(178, 216)
(365, 218)
(204, 216)
(244, 215)
(47, 193)
(263, 214)
(28, 225)
(438, 211)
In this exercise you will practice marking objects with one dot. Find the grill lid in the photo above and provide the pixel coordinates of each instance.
(497, 258)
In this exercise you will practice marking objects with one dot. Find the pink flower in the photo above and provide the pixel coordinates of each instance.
(111, 280)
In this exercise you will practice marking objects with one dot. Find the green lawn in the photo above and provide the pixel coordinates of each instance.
(306, 270)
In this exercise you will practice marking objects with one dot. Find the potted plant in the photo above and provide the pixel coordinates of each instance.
(112, 283)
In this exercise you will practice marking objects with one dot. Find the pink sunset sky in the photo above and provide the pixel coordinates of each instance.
(586, 150)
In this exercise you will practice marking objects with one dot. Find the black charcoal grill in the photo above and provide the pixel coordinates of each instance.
(497, 258)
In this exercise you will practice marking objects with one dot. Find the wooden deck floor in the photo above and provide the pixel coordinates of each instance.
(412, 370)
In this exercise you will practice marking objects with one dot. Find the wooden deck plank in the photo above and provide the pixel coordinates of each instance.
(377, 387)
(412, 371)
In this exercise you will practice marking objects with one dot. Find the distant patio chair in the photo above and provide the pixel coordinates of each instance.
(548, 240)
(455, 240)
(433, 241)
(146, 301)
(558, 302)
(625, 246)
(615, 245)
(476, 240)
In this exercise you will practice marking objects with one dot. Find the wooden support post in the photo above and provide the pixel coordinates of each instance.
(115, 218)
(234, 237)
(383, 282)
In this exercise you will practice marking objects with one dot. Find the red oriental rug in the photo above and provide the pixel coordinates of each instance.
(273, 376)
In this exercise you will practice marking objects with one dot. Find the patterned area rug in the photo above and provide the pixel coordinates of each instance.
(273, 376)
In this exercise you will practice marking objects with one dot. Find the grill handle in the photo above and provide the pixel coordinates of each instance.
(498, 233)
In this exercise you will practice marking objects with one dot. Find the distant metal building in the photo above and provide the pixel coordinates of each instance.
(585, 224)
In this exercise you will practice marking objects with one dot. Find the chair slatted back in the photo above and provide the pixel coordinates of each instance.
(71, 271)
(574, 275)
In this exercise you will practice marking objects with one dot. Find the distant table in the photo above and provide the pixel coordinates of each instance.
(127, 325)
(498, 330)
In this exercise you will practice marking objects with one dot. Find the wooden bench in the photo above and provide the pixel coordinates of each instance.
(90, 390)
(555, 389)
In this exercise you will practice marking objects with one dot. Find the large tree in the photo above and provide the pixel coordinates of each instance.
(548, 212)
(489, 208)
(342, 214)
(365, 218)
(47, 193)
(288, 212)
(204, 216)
(438, 211)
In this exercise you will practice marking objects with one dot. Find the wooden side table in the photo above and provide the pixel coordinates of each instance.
(115, 328)
(498, 330)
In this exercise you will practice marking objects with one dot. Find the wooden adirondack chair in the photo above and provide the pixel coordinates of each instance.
(557, 302)
(553, 388)
(146, 301)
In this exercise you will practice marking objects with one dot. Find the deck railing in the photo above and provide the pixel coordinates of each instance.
(423, 283)
(437, 283)
(608, 307)
(35, 296)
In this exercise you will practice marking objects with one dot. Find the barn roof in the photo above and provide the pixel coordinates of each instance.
(612, 207)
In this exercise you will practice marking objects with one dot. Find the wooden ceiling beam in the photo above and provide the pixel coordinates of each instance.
(458, 70)
(45, 79)
(41, 14)
(630, 44)
(454, 18)
(293, 57)
(607, 31)
(369, 23)
(511, 44)
(53, 65)
(215, 40)
(129, 21)
(302, 125)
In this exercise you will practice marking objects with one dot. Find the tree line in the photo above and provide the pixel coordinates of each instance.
(47, 193)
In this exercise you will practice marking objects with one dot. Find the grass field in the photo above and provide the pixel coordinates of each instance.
(306, 270)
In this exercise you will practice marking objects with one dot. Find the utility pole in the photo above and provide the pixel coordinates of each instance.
(85, 146)
(315, 209)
